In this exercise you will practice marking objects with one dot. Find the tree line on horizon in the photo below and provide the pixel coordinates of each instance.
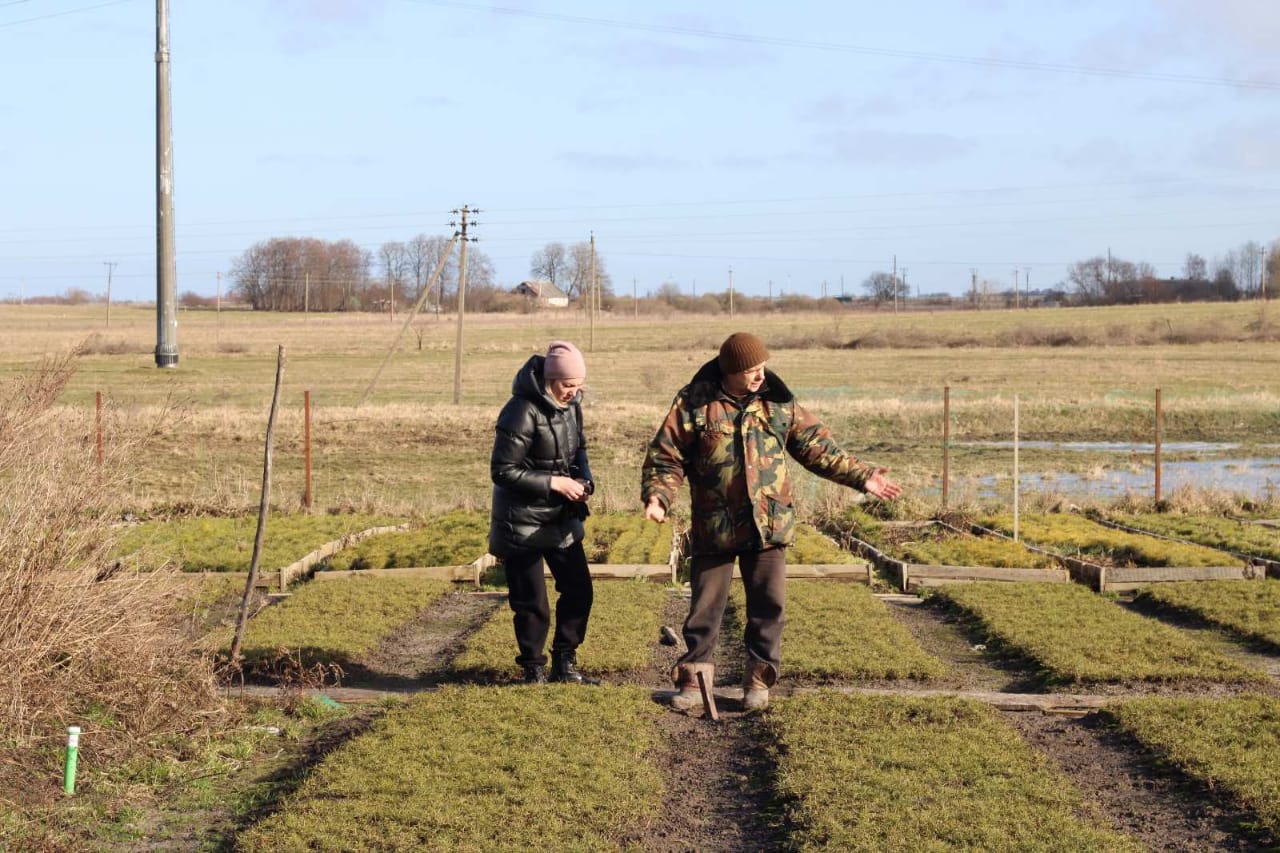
(305, 273)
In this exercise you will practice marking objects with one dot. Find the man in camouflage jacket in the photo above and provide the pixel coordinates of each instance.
(728, 432)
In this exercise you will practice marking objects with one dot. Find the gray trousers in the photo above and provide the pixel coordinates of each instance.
(764, 576)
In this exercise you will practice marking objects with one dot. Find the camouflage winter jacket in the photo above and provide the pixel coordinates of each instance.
(731, 451)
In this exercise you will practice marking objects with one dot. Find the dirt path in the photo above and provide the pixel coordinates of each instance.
(1155, 805)
(420, 653)
(945, 637)
(718, 776)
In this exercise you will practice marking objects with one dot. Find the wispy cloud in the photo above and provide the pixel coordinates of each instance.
(1100, 154)
(621, 162)
(306, 25)
(311, 161)
(839, 109)
(901, 148)
(1239, 146)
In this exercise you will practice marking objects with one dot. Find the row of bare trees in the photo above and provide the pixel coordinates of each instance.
(1240, 273)
(304, 273)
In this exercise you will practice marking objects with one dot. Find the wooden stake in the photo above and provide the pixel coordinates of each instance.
(243, 616)
(708, 698)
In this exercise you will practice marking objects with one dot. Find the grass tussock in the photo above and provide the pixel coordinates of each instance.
(900, 774)
(1230, 744)
(337, 621)
(1233, 535)
(225, 543)
(453, 539)
(1248, 610)
(1077, 536)
(547, 767)
(840, 631)
(1076, 637)
(82, 641)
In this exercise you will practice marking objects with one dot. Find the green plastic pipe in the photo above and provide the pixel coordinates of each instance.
(73, 755)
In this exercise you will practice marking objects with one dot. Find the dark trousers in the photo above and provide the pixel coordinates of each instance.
(764, 575)
(527, 595)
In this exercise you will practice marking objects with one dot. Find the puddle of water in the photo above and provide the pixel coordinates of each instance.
(1255, 477)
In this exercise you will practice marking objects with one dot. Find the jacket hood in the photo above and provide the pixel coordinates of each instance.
(705, 385)
(529, 384)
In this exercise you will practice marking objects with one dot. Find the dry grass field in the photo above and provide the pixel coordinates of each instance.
(1081, 374)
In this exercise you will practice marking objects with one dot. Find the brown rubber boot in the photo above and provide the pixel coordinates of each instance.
(757, 678)
(685, 676)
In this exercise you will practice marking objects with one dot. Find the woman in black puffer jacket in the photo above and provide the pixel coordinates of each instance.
(541, 483)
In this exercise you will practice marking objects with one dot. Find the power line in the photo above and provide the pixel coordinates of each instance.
(836, 47)
(62, 14)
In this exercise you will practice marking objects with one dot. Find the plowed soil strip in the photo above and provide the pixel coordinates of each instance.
(1162, 809)
(718, 780)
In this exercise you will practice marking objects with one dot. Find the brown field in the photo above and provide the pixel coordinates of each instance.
(876, 378)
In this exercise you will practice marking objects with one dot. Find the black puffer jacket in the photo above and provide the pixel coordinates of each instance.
(535, 439)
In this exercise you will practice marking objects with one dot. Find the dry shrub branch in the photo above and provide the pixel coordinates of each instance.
(82, 641)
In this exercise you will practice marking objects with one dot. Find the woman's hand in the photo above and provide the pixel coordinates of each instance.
(569, 488)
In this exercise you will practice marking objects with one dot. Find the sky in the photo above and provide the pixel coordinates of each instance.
(791, 146)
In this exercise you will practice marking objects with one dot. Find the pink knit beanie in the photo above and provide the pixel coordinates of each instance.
(564, 361)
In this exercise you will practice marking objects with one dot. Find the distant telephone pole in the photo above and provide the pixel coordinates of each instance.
(895, 284)
(166, 265)
(110, 265)
(461, 234)
(591, 299)
(731, 293)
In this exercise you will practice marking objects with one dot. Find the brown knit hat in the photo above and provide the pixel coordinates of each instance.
(740, 351)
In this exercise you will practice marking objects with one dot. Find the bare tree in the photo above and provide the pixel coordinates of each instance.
(1249, 272)
(550, 263)
(1195, 268)
(577, 282)
(1089, 278)
(880, 286)
(394, 258)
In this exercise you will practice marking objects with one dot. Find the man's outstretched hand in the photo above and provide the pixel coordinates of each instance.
(880, 486)
(654, 511)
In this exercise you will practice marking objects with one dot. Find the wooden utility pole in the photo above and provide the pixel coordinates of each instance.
(730, 292)
(895, 284)
(1017, 298)
(166, 265)
(461, 234)
(946, 442)
(1159, 441)
(217, 315)
(306, 295)
(110, 265)
(591, 299)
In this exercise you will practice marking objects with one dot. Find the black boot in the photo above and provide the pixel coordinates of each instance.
(564, 668)
(535, 673)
